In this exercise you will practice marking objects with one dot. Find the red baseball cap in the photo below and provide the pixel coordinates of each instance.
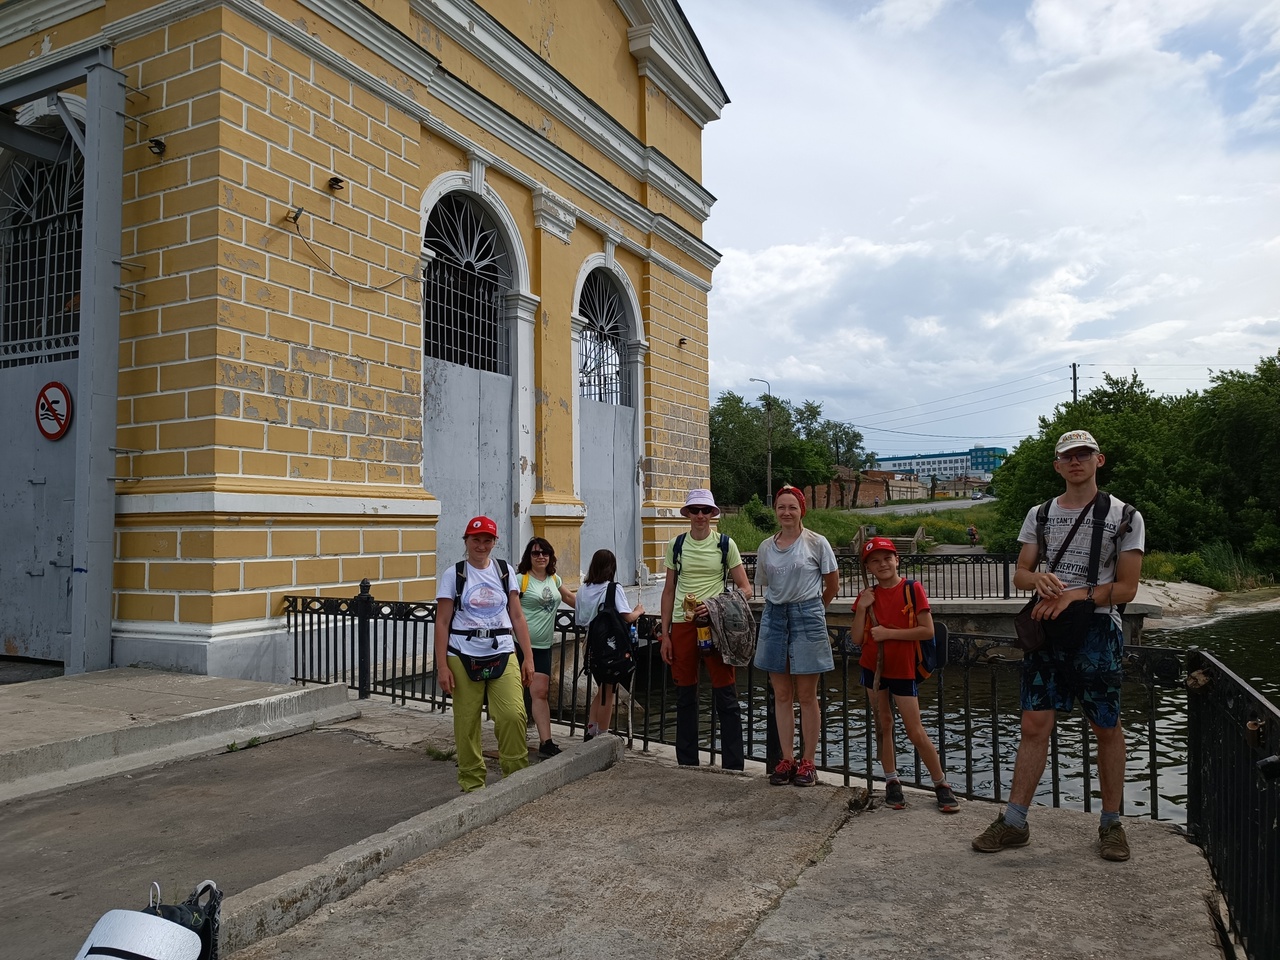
(478, 525)
(877, 543)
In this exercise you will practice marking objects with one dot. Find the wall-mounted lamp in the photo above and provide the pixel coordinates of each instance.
(294, 215)
(336, 183)
(683, 341)
(156, 146)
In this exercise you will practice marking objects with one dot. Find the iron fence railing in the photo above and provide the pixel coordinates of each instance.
(1234, 797)
(1202, 748)
(978, 576)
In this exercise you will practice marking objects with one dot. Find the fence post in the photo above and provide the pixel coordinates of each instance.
(364, 613)
(772, 745)
(1008, 591)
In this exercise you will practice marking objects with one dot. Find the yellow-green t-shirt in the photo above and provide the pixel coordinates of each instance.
(701, 570)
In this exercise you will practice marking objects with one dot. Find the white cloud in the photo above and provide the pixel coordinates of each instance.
(903, 16)
(931, 199)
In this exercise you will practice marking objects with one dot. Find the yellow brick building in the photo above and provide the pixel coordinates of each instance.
(321, 279)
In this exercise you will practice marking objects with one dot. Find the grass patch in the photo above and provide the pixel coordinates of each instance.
(435, 753)
(1215, 565)
(841, 526)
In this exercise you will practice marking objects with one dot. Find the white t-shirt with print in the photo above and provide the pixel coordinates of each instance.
(483, 606)
(1073, 568)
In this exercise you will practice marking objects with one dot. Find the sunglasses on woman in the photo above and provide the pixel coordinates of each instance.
(701, 510)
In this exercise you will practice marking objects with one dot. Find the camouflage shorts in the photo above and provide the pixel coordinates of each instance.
(1052, 680)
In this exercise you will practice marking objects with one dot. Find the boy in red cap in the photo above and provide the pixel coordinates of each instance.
(891, 624)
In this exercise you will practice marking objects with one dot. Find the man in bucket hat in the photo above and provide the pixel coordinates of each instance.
(698, 566)
(1057, 544)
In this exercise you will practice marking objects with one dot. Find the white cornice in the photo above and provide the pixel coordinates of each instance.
(274, 505)
(473, 29)
(669, 54)
(421, 67)
(20, 18)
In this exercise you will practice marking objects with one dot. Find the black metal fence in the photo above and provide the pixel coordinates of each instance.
(963, 576)
(1234, 797)
(1208, 758)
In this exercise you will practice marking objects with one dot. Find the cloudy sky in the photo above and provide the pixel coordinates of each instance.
(929, 209)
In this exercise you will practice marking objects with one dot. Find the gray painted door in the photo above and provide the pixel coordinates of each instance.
(466, 447)
(608, 477)
(37, 497)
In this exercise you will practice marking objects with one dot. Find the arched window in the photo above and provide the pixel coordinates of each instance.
(602, 372)
(465, 287)
(41, 217)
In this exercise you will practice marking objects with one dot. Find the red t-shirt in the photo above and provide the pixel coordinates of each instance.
(891, 610)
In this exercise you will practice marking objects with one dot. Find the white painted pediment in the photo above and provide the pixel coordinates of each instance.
(670, 55)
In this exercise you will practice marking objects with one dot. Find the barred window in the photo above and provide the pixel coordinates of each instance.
(465, 287)
(41, 217)
(602, 371)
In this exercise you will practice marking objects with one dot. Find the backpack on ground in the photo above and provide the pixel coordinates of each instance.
(199, 913)
(611, 653)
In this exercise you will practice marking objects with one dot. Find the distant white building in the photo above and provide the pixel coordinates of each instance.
(977, 462)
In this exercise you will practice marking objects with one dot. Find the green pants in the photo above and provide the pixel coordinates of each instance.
(506, 707)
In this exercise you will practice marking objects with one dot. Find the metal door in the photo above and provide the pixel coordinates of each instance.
(37, 495)
(608, 478)
(466, 446)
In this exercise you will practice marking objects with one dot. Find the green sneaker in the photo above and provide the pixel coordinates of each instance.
(1000, 835)
(1113, 844)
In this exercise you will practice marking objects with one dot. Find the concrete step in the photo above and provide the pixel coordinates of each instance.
(77, 728)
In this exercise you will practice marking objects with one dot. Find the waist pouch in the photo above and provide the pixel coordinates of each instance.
(1068, 631)
(488, 667)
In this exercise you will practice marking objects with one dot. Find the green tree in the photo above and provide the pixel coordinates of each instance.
(806, 447)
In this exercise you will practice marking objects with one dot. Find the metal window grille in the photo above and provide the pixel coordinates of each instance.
(41, 241)
(465, 288)
(602, 372)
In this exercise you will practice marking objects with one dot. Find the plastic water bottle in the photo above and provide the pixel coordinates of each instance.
(635, 637)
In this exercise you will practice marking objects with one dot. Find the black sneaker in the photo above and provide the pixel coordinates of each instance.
(893, 795)
(548, 749)
(947, 801)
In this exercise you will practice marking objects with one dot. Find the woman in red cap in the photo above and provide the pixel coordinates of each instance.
(797, 570)
(892, 617)
(479, 621)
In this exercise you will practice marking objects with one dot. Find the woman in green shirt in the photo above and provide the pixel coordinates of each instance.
(540, 594)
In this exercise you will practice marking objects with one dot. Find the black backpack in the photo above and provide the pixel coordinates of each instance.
(611, 653)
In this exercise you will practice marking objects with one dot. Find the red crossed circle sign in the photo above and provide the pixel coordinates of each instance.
(53, 410)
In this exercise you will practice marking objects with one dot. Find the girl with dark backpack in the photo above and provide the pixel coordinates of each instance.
(590, 600)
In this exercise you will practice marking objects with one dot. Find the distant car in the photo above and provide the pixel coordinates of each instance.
(976, 495)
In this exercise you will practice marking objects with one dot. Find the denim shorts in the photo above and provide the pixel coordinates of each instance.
(1051, 680)
(793, 638)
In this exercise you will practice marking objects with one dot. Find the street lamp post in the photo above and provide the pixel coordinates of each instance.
(768, 432)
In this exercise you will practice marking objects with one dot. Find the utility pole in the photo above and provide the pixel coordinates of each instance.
(1075, 382)
(768, 432)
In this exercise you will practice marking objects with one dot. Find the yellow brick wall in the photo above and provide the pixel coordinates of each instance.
(210, 569)
(247, 366)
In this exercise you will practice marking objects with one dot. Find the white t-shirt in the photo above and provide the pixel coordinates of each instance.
(1073, 568)
(589, 598)
(483, 606)
(794, 573)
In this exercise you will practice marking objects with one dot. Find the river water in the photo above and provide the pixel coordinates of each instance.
(1245, 639)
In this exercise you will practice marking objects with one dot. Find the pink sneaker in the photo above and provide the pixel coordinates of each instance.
(806, 774)
(783, 773)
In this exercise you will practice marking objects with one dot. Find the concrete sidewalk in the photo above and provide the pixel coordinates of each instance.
(348, 839)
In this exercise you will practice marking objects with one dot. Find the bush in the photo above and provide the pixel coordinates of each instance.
(761, 517)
